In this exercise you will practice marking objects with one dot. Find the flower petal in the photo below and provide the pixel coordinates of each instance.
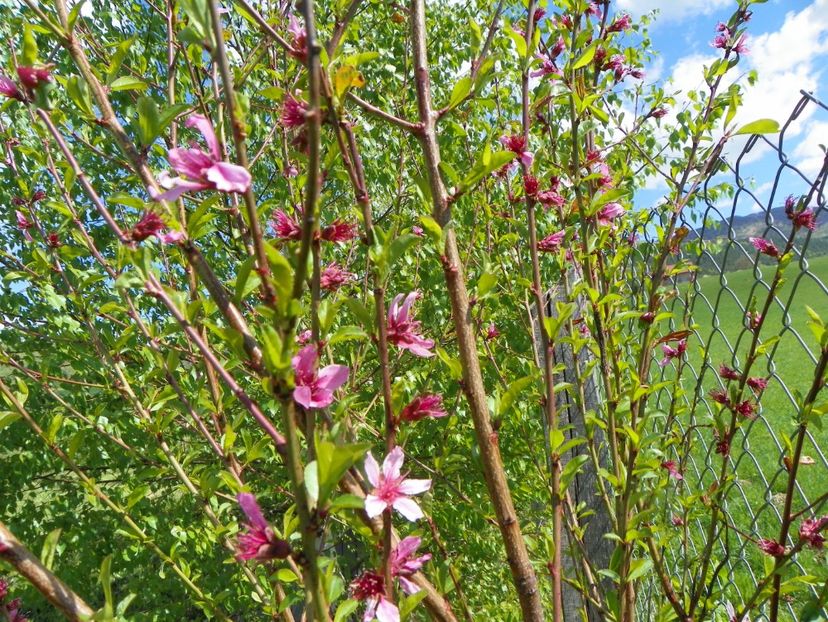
(414, 486)
(228, 177)
(250, 507)
(302, 395)
(332, 377)
(387, 611)
(189, 162)
(408, 508)
(177, 187)
(204, 126)
(393, 463)
(372, 470)
(408, 586)
(374, 506)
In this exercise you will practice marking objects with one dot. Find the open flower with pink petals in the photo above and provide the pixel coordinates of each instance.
(24, 224)
(369, 587)
(422, 406)
(258, 542)
(151, 224)
(517, 144)
(764, 246)
(405, 562)
(333, 277)
(315, 388)
(403, 330)
(200, 170)
(811, 531)
(294, 112)
(285, 227)
(339, 231)
(608, 213)
(672, 469)
(670, 352)
(33, 77)
(299, 42)
(391, 488)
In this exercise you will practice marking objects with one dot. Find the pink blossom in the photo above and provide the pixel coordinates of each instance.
(620, 23)
(538, 15)
(290, 170)
(592, 9)
(391, 489)
(754, 319)
(671, 352)
(530, 185)
(672, 469)
(370, 587)
(746, 408)
(200, 170)
(418, 231)
(605, 179)
(422, 406)
(9, 89)
(24, 224)
(551, 243)
(151, 224)
(339, 231)
(549, 198)
(607, 213)
(647, 317)
(805, 218)
(403, 331)
(727, 373)
(810, 531)
(304, 337)
(492, 332)
(657, 113)
(333, 277)
(741, 46)
(547, 68)
(285, 227)
(4, 588)
(315, 388)
(764, 246)
(33, 77)
(757, 384)
(517, 144)
(771, 547)
(258, 542)
(677, 520)
(558, 48)
(53, 239)
(723, 447)
(722, 39)
(294, 112)
(299, 43)
(720, 396)
(405, 563)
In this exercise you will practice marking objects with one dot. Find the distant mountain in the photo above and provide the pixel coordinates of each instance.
(740, 228)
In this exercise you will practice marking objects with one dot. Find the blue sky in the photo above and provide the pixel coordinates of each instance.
(788, 40)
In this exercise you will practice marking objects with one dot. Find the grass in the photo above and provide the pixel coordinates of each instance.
(722, 338)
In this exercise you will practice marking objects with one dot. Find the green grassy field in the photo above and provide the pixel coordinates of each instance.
(758, 454)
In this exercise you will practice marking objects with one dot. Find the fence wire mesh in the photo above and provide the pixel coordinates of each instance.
(725, 275)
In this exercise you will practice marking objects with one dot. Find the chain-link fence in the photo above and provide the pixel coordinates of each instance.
(718, 278)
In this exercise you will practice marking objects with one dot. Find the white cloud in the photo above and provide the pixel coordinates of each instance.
(808, 155)
(672, 9)
(787, 60)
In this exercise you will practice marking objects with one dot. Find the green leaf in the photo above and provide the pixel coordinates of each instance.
(128, 83)
(47, 553)
(334, 460)
(149, 120)
(75, 13)
(78, 92)
(460, 91)
(28, 56)
(586, 56)
(312, 482)
(519, 39)
(345, 609)
(105, 579)
(347, 333)
(571, 469)
(762, 126)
